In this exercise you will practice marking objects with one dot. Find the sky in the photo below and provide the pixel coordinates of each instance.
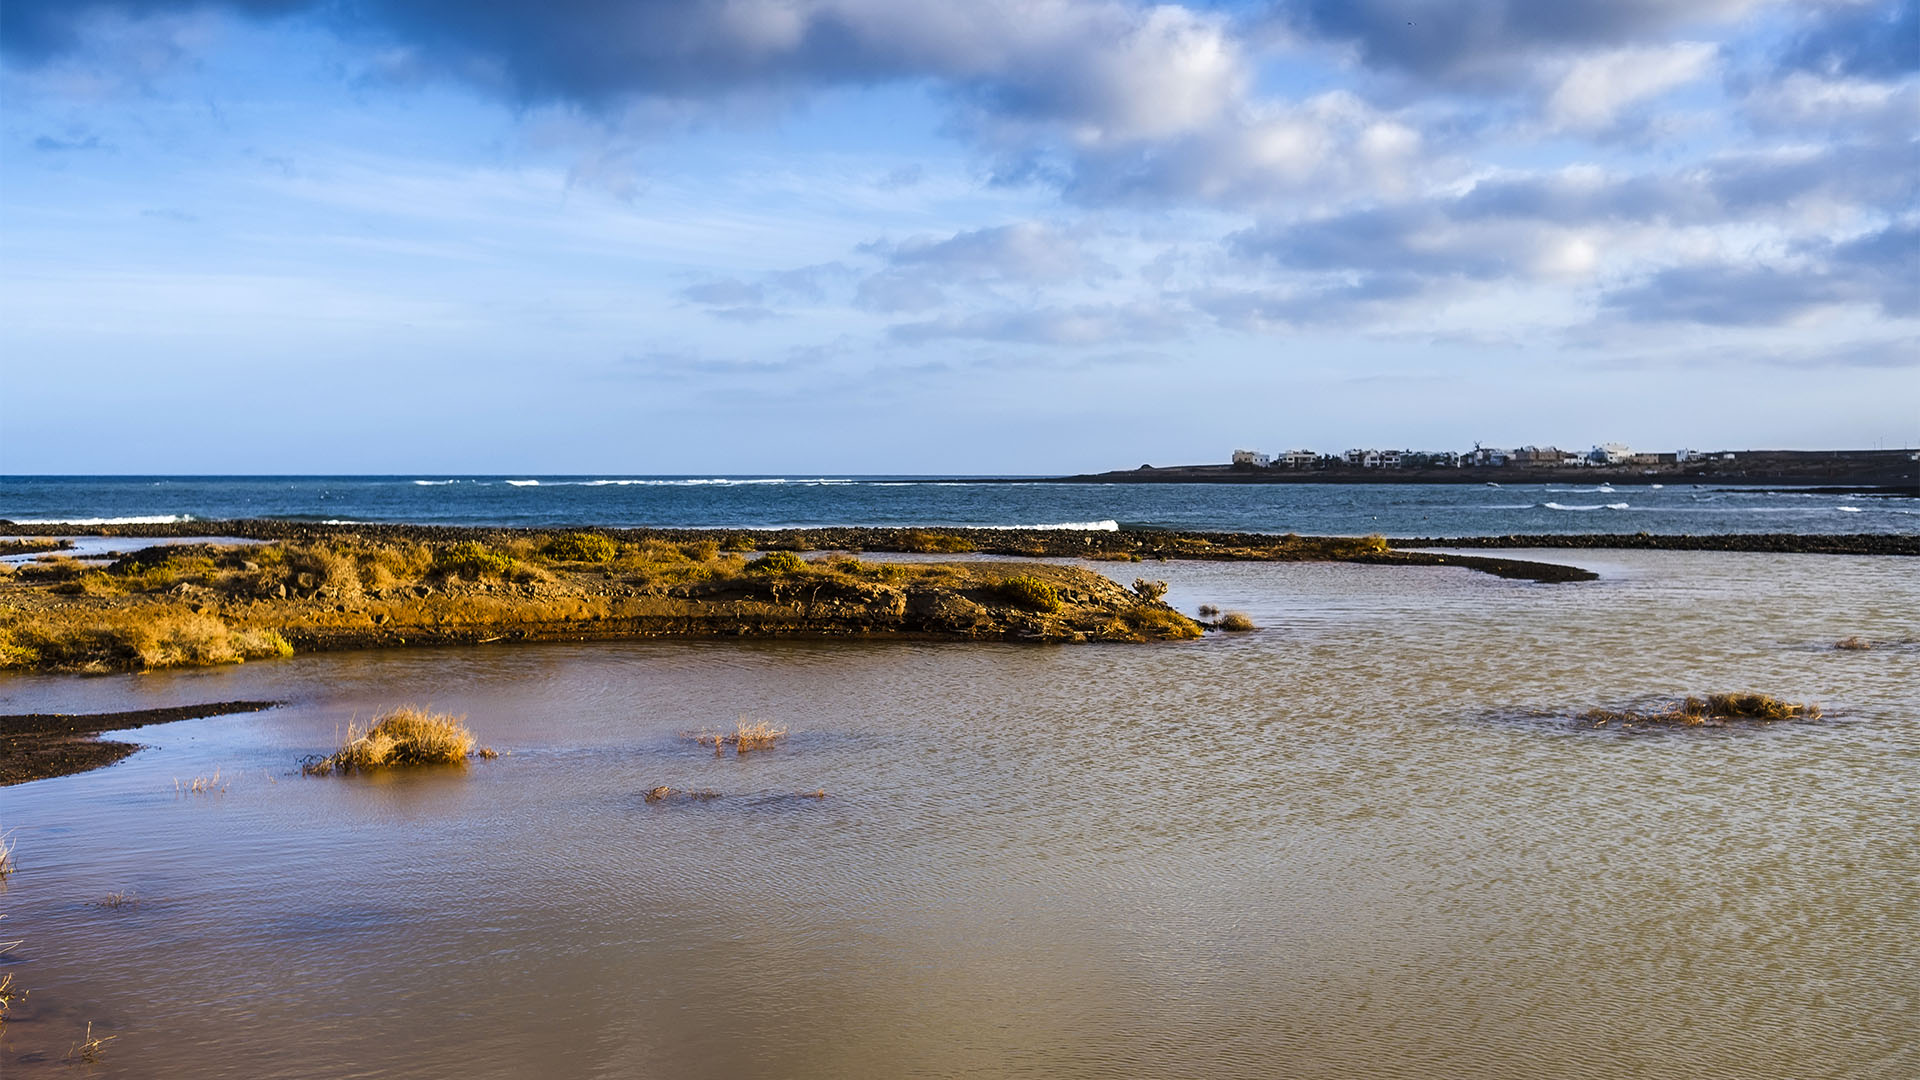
(915, 236)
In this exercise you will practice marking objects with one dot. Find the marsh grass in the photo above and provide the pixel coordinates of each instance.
(1712, 710)
(202, 785)
(7, 863)
(405, 737)
(1208, 611)
(90, 1049)
(1144, 622)
(1235, 622)
(663, 793)
(758, 735)
(117, 900)
(1853, 644)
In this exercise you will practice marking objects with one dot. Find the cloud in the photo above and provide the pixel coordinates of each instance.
(725, 291)
(1594, 89)
(1879, 270)
(1492, 42)
(919, 272)
(1873, 40)
(1082, 325)
(48, 144)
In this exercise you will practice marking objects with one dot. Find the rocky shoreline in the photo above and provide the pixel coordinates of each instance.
(1773, 543)
(1125, 545)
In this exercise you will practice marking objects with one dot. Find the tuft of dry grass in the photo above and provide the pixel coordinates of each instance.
(1714, 709)
(818, 793)
(1235, 622)
(118, 900)
(1208, 611)
(1029, 592)
(662, 793)
(90, 1049)
(1144, 622)
(202, 785)
(745, 736)
(7, 863)
(1853, 644)
(407, 736)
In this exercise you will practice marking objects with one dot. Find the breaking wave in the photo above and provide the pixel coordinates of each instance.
(150, 519)
(1584, 507)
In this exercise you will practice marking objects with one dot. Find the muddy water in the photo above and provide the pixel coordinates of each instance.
(1329, 848)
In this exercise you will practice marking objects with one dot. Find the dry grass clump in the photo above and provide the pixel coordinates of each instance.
(1235, 622)
(1029, 592)
(118, 900)
(202, 785)
(89, 1050)
(472, 559)
(580, 547)
(1149, 592)
(1208, 611)
(1143, 622)
(923, 541)
(777, 563)
(407, 736)
(148, 639)
(1714, 709)
(1853, 644)
(745, 736)
(663, 792)
(7, 864)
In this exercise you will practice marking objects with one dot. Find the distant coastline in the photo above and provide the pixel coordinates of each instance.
(1852, 472)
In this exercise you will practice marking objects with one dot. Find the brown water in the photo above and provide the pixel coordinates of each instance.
(1324, 849)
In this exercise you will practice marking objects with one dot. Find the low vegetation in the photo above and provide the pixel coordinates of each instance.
(1853, 644)
(1235, 622)
(199, 604)
(745, 736)
(1029, 592)
(1712, 710)
(1144, 622)
(661, 794)
(404, 737)
(90, 1049)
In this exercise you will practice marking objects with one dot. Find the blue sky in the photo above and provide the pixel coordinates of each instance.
(900, 236)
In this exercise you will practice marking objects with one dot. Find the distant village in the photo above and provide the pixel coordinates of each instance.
(1480, 457)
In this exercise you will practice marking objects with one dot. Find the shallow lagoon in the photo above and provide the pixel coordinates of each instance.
(1329, 848)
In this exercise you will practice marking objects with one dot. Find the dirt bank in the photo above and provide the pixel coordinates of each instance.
(35, 746)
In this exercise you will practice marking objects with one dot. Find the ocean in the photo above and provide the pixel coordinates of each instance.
(817, 501)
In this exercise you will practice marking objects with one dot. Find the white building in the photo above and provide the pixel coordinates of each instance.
(1252, 457)
(1300, 459)
(1612, 453)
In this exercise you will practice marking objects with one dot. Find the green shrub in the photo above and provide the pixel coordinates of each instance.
(1235, 622)
(777, 562)
(473, 559)
(1030, 592)
(924, 541)
(580, 547)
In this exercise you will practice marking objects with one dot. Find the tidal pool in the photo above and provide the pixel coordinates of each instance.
(1331, 848)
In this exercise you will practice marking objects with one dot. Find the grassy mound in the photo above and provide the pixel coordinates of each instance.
(744, 737)
(1712, 710)
(1029, 592)
(406, 736)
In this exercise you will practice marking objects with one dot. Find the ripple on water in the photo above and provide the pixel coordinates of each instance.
(1309, 850)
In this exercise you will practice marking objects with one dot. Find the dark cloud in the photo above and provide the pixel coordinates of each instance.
(1879, 270)
(1867, 41)
(1481, 40)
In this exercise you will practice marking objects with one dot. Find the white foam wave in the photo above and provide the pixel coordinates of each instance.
(1108, 525)
(1584, 507)
(524, 483)
(435, 483)
(151, 519)
(1848, 509)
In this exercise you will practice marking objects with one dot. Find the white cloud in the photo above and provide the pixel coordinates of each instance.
(1593, 90)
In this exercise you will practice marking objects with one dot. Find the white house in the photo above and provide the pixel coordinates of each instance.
(1612, 453)
(1300, 459)
(1252, 457)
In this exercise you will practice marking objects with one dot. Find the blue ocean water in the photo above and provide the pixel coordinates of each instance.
(774, 502)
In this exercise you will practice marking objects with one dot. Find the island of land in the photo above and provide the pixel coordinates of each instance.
(1865, 472)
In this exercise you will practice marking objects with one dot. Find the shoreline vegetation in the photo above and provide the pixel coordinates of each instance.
(203, 603)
